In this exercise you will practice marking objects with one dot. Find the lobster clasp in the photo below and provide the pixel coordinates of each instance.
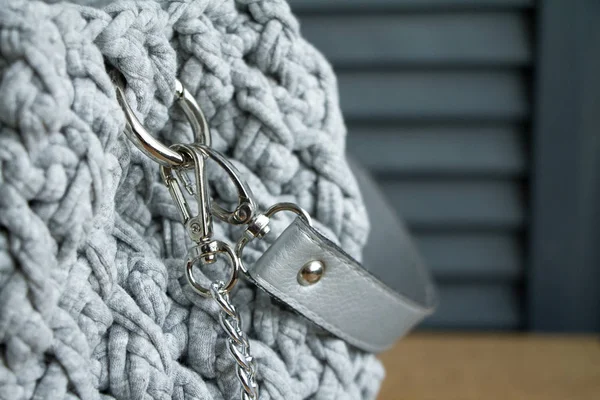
(199, 226)
(246, 207)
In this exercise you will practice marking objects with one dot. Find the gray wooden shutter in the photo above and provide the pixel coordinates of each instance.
(437, 101)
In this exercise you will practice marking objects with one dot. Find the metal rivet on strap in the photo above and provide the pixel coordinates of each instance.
(311, 273)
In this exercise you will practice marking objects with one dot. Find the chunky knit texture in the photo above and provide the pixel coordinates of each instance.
(93, 302)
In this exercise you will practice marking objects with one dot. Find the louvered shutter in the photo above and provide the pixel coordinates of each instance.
(437, 101)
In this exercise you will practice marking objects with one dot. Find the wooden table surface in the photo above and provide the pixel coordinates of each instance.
(489, 367)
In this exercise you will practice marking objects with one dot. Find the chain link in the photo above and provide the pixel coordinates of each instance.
(237, 342)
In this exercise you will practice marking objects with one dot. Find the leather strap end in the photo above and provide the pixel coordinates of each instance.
(347, 300)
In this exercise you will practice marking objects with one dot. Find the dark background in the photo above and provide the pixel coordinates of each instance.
(481, 121)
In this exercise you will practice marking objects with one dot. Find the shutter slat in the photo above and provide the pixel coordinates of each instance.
(421, 39)
(374, 5)
(439, 150)
(444, 95)
(476, 306)
(472, 256)
(446, 204)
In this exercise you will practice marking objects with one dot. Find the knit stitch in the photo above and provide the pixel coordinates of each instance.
(93, 300)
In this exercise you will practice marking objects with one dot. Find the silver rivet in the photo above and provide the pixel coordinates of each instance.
(311, 273)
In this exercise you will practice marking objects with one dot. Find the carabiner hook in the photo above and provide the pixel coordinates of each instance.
(199, 227)
(244, 211)
(147, 143)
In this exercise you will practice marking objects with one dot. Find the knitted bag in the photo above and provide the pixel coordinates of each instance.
(93, 301)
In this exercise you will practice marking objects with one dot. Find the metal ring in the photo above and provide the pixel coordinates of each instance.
(295, 208)
(151, 146)
(210, 250)
(274, 209)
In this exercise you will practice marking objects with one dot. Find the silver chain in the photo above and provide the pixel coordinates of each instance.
(237, 342)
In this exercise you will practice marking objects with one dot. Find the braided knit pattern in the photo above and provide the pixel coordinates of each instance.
(93, 301)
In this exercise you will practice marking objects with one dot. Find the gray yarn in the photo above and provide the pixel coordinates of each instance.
(93, 303)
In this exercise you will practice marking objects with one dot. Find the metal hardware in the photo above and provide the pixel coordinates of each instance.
(151, 146)
(244, 211)
(174, 161)
(295, 208)
(237, 343)
(200, 253)
(311, 273)
(199, 227)
(259, 226)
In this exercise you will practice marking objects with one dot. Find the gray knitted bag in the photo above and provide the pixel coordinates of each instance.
(93, 302)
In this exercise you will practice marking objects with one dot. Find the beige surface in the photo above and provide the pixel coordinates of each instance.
(482, 367)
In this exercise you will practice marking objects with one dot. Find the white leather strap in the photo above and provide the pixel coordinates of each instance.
(348, 301)
(369, 306)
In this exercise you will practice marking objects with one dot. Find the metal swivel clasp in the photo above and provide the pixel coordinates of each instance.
(175, 161)
(199, 225)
